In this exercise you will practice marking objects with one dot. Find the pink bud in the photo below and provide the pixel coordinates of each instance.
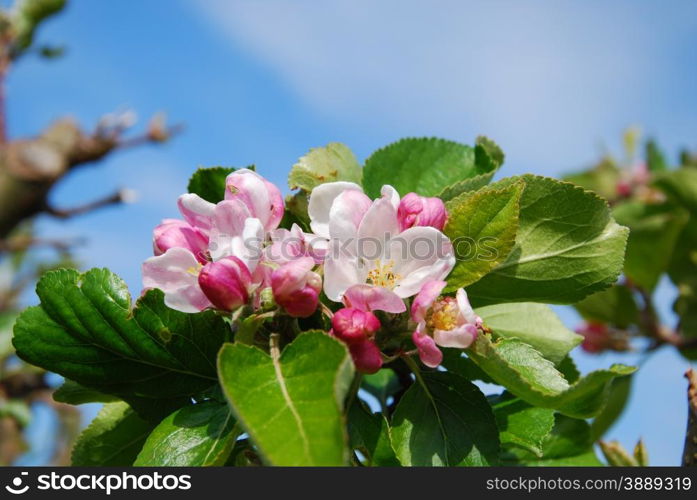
(353, 325)
(415, 210)
(173, 233)
(428, 351)
(596, 337)
(226, 283)
(366, 356)
(296, 287)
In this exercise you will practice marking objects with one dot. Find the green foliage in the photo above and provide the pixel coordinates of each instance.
(114, 438)
(291, 403)
(615, 306)
(444, 420)
(567, 247)
(26, 18)
(209, 183)
(423, 165)
(534, 324)
(73, 393)
(196, 435)
(369, 433)
(520, 424)
(482, 227)
(151, 356)
(331, 163)
(524, 372)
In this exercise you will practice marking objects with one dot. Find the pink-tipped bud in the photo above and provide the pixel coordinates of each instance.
(226, 283)
(366, 356)
(354, 326)
(296, 287)
(415, 210)
(429, 353)
(174, 233)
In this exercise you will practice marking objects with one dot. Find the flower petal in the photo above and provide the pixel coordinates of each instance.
(373, 298)
(429, 353)
(424, 299)
(197, 211)
(460, 337)
(341, 271)
(320, 204)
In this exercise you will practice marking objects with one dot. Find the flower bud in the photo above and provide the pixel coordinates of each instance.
(174, 233)
(226, 283)
(366, 356)
(354, 326)
(415, 210)
(262, 198)
(596, 337)
(296, 287)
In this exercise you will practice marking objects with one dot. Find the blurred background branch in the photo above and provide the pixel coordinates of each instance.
(30, 168)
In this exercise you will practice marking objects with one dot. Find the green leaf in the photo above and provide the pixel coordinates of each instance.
(653, 232)
(73, 393)
(151, 356)
(655, 159)
(482, 228)
(681, 186)
(617, 400)
(209, 183)
(521, 425)
(488, 157)
(291, 403)
(114, 438)
(567, 247)
(331, 163)
(444, 420)
(369, 433)
(193, 436)
(534, 324)
(422, 165)
(524, 372)
(568, 445)
(615, 306)
(7, 320)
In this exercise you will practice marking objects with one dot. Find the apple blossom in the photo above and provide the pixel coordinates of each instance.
(367, 245)
(448, 321)
(354, 325)
(263, 199)
(415, 210)
(173, 233)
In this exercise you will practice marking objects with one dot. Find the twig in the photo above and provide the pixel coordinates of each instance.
(689, 457)
(120, 196)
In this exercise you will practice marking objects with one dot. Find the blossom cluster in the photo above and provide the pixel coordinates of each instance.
(379, 260)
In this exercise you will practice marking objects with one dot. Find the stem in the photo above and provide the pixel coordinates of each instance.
(417, 372)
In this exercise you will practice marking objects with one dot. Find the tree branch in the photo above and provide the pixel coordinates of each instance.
(689, 457)
(117, 198)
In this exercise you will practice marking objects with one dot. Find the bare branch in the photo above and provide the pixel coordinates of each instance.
(689, 457)
(120, 196)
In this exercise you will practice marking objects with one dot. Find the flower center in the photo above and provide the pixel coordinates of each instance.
(443, 314)
(383, 275)
(195, 270)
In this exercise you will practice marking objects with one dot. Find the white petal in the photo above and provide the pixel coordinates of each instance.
(346, 214)
(391, 194)
(320, 204)
(340, 272)
(197, 211)
(378, 226)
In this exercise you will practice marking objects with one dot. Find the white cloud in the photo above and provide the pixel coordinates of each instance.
(545, 79)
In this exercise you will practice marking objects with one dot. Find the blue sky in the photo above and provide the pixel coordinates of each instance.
(553, 82)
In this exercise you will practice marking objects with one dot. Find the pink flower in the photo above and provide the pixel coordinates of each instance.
(415, 210)
(372, 298)
(226, 283)
(287, 245)
(263, 200)
(446, 321)
(353, 325)
(172, 233)
(296, 287)
(175, 272)
(368, 247)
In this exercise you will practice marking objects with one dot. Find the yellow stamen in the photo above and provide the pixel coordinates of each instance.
(382, 275)
(443, 314)
(195, 270)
